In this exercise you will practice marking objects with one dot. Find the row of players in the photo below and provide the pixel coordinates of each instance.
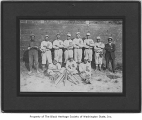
(73, 49)
(83, 69)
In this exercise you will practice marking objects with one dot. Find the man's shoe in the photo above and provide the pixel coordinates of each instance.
(113, 71)
(29, 72)
(88, 82)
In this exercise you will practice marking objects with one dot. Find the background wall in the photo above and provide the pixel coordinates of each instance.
(40, 28)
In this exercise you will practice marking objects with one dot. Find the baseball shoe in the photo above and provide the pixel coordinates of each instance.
(29, 72)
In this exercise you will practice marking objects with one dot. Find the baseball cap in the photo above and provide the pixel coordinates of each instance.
(77, 33)
(98, 37)
(69, 34)
(88, 34)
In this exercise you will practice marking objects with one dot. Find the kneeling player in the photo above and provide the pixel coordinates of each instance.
(54, 70)
(85, 71)
(71, 66)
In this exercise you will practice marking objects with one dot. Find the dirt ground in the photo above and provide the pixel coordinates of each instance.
(103, 81)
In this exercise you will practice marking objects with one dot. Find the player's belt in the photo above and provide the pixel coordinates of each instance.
(70, 49)
(58, 48)
(88, 48)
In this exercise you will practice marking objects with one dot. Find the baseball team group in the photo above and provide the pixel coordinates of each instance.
(72, 54)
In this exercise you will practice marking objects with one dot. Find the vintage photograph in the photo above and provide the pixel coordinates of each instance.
(71, 55)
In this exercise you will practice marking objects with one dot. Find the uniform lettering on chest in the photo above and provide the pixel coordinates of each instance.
(87, 68)
(90, 42)
(70, 43)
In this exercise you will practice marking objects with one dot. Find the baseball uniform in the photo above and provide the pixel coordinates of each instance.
(68, 45)
(71, 67)
(88, 44)
(58, 45)
(46, 47)
(78, 44)
(85, 71)
(98, 48)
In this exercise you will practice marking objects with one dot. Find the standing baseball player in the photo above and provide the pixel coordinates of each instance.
(68, 45)
(78, 44)
(110, 54)
(33, 54)
(88, 44)
(46, 47)
(85, 71)
(58, 52)
(98, 48)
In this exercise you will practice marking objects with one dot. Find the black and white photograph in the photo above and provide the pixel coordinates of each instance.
(78, 58)
(71, 55)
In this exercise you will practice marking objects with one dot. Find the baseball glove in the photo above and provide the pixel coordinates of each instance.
(101, 54)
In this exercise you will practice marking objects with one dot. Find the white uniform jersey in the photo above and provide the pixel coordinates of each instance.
(88, 43)
(46, 45)
(85, 68)
(71, 65)
(81, 67)
(68, 44)
(78, 43)
(46, 53)
(99, 46)
(58, 44)
(54, 67)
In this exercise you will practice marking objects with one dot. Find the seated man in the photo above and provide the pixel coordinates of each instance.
(85, 71)
(71, 66)
(53, 68)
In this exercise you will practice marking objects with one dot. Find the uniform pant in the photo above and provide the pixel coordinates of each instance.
(77, 55)
(33, 58)
(86, 76)
(68, 54)
(46, 57)
(98, 59)
(88, 54)
(58, 55)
